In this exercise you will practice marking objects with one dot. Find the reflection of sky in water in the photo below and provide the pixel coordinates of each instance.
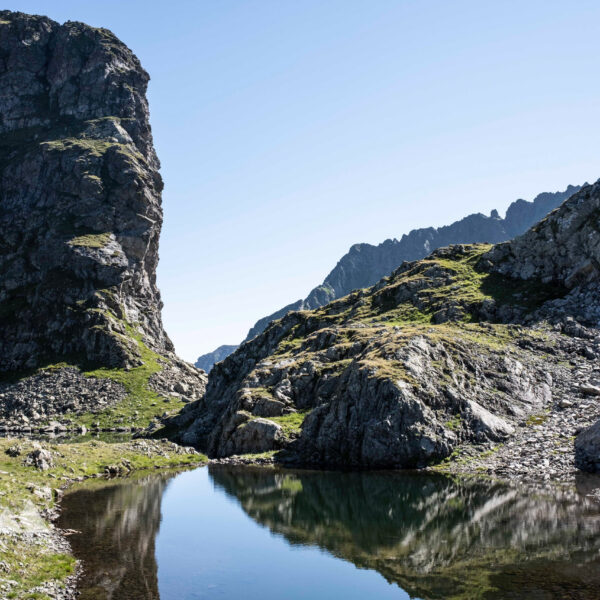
(228, 555)
(244, 533)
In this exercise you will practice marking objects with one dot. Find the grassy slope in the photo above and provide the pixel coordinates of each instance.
(362, 315)
(141, 405)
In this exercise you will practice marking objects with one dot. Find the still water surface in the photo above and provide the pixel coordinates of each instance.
(250, 533)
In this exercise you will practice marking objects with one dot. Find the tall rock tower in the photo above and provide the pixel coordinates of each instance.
(80, 201)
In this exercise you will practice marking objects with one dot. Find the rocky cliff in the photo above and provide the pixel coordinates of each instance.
(80, 217)
(466, 349)
(364, 264)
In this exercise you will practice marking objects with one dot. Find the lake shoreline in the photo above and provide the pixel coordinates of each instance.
(217, 531)
(37, 530)
(36, 555)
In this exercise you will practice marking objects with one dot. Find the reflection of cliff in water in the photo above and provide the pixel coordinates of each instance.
(433, 536)
(117, 523)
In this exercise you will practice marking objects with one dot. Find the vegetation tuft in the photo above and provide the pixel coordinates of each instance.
(91, 240)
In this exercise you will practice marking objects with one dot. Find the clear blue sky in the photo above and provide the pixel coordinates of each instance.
(290, 129)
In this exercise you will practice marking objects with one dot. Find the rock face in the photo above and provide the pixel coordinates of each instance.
(457, 350)
(80, 206)
(80, 200)
(365, 264)
(573, 232)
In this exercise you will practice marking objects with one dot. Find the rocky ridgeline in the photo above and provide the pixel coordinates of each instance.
(364, 264)
(80, 215)
(466, 350)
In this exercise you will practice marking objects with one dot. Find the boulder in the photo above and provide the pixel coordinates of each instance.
(587, 449)
(40, 458)
(257, 435)
(590, 390)
(486, 424)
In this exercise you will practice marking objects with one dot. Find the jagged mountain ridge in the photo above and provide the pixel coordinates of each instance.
(365, 264)
(453, 351)
(80, 213)
(206, 361)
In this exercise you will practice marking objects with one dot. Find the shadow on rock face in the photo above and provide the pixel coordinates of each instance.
(433, 536)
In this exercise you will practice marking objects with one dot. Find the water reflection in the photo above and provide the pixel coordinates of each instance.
(117, 522)
(433, 536)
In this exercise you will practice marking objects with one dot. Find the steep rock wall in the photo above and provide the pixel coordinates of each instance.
(80, 204)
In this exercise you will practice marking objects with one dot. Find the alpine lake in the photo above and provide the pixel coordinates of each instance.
(261, 533)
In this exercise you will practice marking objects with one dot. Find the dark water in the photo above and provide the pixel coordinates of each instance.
(250, 533)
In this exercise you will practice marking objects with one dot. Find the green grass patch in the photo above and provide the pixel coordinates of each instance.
(454, 424)
(95, 147)
(538, 419)
(261, 455)
(291, 423)
(434, 284)
(32, 566)
(26, 490)
(91, 240)
(142, 404)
